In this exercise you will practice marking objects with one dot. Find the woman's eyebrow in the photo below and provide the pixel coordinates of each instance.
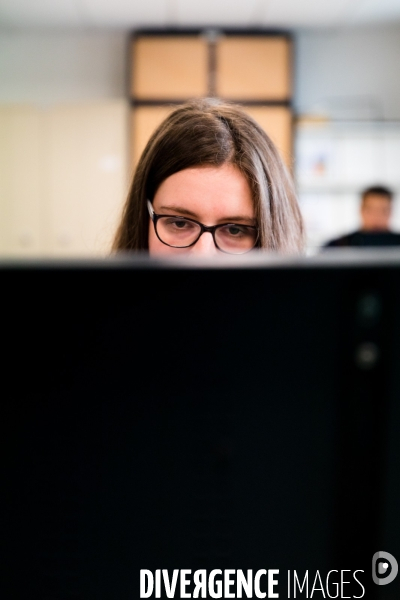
(174, 208)
(249, 220)
(178, 209)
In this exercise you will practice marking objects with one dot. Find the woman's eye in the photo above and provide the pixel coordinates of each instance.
(180, 224)
(176, 223)
(233, 230)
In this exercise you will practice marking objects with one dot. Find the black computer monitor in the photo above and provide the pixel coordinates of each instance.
(217, 416)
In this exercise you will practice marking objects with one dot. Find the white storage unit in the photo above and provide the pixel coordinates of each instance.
(334, 162)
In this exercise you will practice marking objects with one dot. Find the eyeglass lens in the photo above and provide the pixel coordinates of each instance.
(231, 238)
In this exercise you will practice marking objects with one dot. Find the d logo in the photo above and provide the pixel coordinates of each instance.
(384, 568)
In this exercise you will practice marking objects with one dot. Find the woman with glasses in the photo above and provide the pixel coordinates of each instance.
(210, 180)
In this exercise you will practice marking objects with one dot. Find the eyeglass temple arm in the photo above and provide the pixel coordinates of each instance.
(150, 209)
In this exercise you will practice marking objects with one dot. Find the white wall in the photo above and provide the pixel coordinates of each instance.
(357, 65)
(46, 67)
(349, 72)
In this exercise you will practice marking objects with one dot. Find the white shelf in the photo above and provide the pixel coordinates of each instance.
(335, 161)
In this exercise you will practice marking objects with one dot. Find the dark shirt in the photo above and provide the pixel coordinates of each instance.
(364, 239)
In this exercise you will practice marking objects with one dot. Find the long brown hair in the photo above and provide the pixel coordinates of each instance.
(210, 132)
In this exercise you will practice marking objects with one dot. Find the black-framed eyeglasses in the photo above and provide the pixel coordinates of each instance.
(181, 232)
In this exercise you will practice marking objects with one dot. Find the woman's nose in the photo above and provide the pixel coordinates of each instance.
(205, 245)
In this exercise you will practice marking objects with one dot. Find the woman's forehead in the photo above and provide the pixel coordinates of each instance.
(206, 191)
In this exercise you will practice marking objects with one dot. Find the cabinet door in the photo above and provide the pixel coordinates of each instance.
(277, 122)
(165, 68)
(253, 68)
(87, 181)
(21, 181)
(144, 120)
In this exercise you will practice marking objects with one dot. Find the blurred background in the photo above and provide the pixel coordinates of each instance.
(84, 82)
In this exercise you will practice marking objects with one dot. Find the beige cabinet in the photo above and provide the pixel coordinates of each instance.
(144, 121)
(169, 68)
(253, 70)
(22, 176)
(277, 122)
(87, 147)
(63, 178)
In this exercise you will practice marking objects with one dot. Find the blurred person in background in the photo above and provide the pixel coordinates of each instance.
(375, 213)
(210, 180)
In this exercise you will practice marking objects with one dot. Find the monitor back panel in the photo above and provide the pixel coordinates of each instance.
(178, 418)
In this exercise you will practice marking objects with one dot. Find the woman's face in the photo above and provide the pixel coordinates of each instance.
(211, 195)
